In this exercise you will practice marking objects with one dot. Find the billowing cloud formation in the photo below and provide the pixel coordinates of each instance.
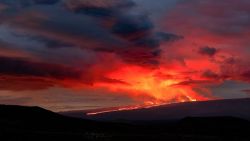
(155, 55)
(105, 29)
(113, 27)
(21, 67)
(16, 73)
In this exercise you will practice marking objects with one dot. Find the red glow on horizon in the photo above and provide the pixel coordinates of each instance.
(183, 73)
(151, 89)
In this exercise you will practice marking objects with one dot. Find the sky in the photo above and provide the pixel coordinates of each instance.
(88, 54)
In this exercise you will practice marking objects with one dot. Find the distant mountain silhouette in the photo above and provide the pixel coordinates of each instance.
(18, 123)
(26, 113)
(231, 107)
(35, 123)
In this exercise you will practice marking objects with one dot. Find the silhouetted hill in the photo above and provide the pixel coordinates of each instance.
(35, 123)
(231, 107)
(26, 113)
(18, 123)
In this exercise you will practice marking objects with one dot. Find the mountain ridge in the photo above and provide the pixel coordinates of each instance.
(228, 107)
(35, 123)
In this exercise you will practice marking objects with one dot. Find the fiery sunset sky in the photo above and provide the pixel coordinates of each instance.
(87, 54)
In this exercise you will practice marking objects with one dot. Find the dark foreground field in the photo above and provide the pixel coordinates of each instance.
(34, 123)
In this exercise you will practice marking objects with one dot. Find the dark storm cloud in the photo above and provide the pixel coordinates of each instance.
(24, 3)
(50, 43)
(42, 2)
(17, 74)
(46, 1)
(50, 31)
(22, 67)
(125, 26)
(136, 29)
(100, 9)
(21, 74)
(101, 26)
(209, 51)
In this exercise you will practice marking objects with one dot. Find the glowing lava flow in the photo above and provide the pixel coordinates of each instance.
(115, 110)
(127, 108)
(144, 85)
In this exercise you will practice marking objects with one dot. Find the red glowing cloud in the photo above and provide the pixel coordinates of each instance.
(106, 45)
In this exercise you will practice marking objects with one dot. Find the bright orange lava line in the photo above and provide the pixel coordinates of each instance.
(130, 108)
